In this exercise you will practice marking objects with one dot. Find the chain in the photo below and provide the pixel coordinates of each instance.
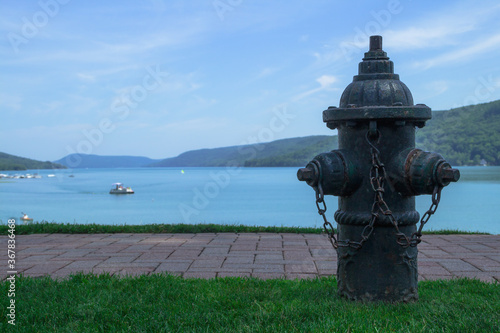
(436, 198)
(327, 226)
(377, 180)
(330, 231)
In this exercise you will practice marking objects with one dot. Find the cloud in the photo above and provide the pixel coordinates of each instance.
(86, 77)
(462, 54)
(196, 125)
(325, 82)
(435, 88)
(267, 71)
(438, 30)
(9, 101)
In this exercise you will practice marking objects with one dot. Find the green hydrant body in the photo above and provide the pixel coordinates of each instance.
(376, 173)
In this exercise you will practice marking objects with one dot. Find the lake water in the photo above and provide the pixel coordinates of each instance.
(249, 196)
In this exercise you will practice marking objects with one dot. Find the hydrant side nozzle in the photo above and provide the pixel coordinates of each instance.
(445, 174)
(306, 174)
(451, 175)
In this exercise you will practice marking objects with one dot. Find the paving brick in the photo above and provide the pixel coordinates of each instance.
(35, 258)
(64, 272)
(154, 256)
(432, 270)
(47, 268)
(268, 268)
(249, 259)
(210, 251)
(88, 264)
(185, 254)
(267, 276)
(236, 266)
(173, 266)
(243, 269)
(267, 257)
(199, 275)
(248, 254)
(121, 259)
(108, 270)
(244, 247)
(138, 248)
(288, 254)
(482, 276)
(207, 263)
(326, 265)
(458, 265)
(134, 271)
(301, 276)
(477, 247)
(304, 268)
(324, 253)
(233, 274)
(433, 277)
(484, 264)
(436, 253)
(327, 272)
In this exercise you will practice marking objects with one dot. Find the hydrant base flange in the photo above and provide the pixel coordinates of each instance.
(381, 270)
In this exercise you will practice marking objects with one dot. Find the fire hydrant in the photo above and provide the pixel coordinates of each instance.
(376, 173)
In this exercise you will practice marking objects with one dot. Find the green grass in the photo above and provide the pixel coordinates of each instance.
(73, 228)
(164, 303)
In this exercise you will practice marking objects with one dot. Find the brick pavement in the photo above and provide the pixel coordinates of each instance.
(261, 255)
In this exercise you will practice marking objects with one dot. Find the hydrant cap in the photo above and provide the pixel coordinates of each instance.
(376, 93)
(376, 84)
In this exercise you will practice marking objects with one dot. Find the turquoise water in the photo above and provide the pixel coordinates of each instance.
(250, 196)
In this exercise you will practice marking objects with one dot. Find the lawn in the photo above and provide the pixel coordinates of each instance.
(165, 303)
(45, 227)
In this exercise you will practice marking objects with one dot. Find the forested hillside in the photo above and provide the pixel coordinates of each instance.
(464, 136)
(286, 152)
(11, 162)
(98, 161)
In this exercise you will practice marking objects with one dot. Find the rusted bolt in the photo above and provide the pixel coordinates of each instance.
(306, 174)
(450, 175)
(445, 174)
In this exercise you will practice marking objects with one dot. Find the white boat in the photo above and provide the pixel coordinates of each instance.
(25, 218)
(120, 189)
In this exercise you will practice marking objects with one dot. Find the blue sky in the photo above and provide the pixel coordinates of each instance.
(159, 77)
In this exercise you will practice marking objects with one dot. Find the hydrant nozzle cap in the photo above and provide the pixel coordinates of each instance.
(376, 52)
(375, 43)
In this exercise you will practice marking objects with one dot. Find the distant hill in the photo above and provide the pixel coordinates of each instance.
(96, 161)
(279, 153)
(464, 136)
(12, 162)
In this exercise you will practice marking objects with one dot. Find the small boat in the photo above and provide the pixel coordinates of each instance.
(120, 189)
(51, 175)
(25, 218)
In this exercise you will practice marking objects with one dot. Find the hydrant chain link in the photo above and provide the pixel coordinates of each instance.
(327, 226)
(436, 198)
(377, 179)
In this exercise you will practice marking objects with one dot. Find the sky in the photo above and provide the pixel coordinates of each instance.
(157, 78)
